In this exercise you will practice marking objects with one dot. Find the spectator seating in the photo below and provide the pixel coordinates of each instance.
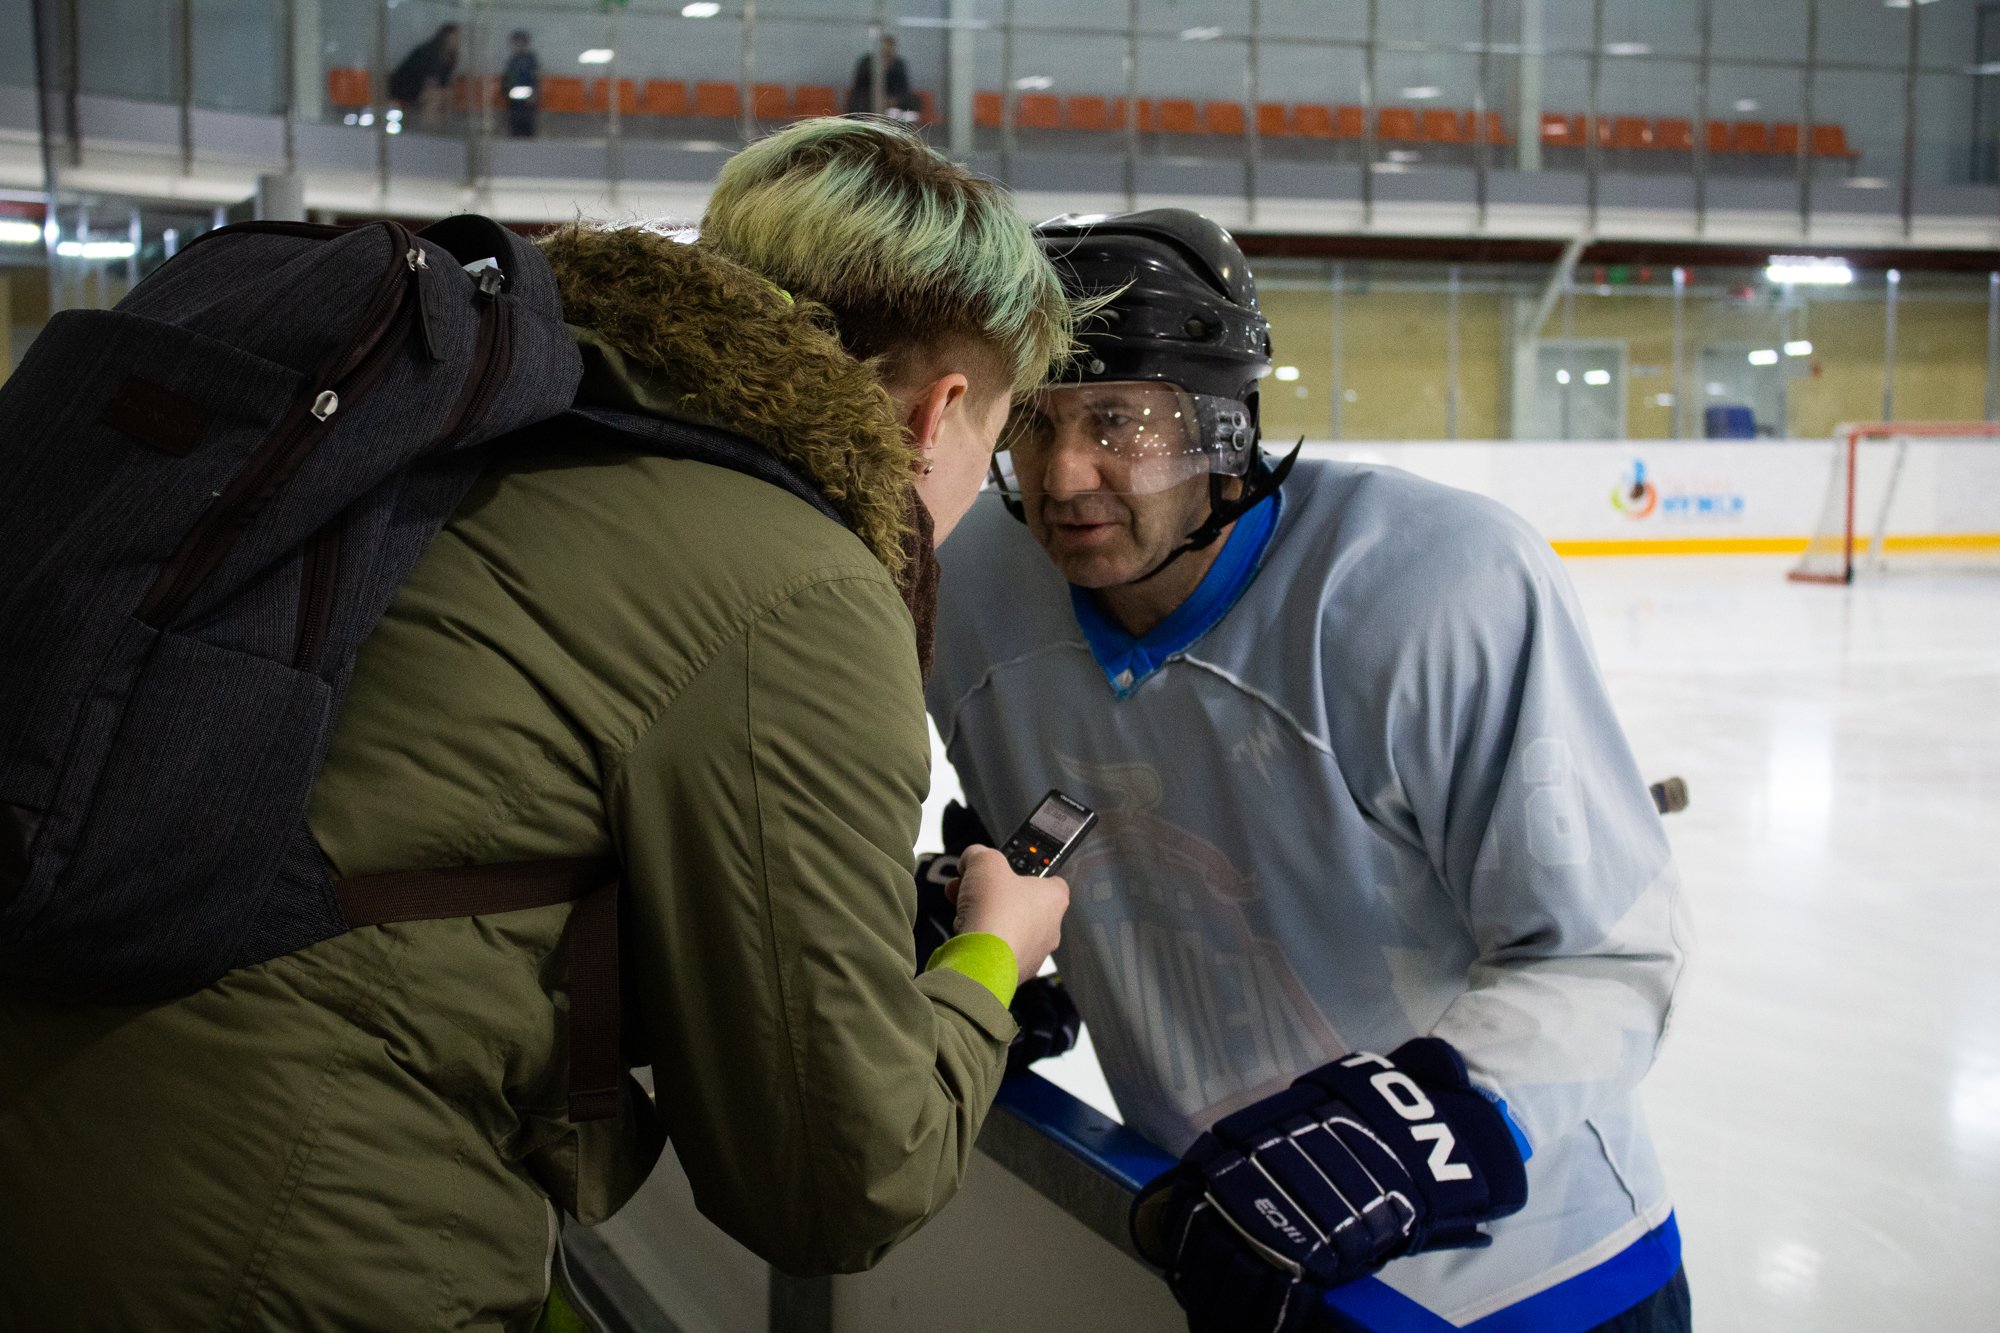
(350, 88)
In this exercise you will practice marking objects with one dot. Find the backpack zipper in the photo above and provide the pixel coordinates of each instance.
(383, 329)
(493, 356)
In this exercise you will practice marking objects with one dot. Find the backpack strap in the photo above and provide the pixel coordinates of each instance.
(596, 1075)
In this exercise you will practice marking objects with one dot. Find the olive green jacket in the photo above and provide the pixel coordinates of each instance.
(602, 653)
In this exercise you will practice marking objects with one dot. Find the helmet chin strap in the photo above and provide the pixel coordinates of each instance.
(1259, 485)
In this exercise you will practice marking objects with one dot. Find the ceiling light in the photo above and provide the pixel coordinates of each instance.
(1423, 92)
(1034, 83)
(97, 249)
(13, 231)
(1764, 356)
(521, 92)
(1627, 49)
(1814, 269)
(1746, 104)
(597, 55)
(701, 9)
(1597, 377)
(1904, 4)
(1200, 34)
(1800, 347)
(1562, 377)
(1404, 157)
(1287, 373)
(1663, 400)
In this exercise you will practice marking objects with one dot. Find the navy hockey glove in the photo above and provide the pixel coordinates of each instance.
(1356, 1163)
(1048, 1018)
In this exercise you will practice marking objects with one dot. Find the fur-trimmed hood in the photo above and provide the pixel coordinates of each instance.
(684, 332)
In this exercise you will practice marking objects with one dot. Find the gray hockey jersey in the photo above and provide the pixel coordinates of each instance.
(1365, 785)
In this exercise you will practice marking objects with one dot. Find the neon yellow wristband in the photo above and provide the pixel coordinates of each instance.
(987, 959)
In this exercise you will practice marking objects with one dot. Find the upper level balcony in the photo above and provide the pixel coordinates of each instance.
(1837, 122)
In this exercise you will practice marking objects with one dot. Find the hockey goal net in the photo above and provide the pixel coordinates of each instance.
(1907, 494)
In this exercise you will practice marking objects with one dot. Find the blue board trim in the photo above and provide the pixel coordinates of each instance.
(1124, 1155)
(1576, 1305)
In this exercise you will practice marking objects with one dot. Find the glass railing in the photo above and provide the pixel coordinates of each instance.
(1792, 105)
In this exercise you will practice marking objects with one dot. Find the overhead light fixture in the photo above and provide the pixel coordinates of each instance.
(14, 231)
(1600, 378)
(96, 249)
(1904, 4)
(1628, 49)
(1423, 92)
(1816, 270)
(1287, 373)
(1034, 83)
(395, 127)
(1200, 34)
(1985, 67)
(1746, 104)
(1562, 377)
(597, 55)
(1798, 347)
(1663, 400)
(1764, 356)
(521, 92)
(1404, 156)
(701, 9)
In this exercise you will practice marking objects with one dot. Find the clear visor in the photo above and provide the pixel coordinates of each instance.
(1133, 437)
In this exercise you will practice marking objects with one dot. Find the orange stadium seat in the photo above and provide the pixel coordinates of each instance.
(986, 109)
(814, 100)
(1630, 132)
(718, 101)
(1718, 136)
(926, 107)
(1749, 136)
(1831, 141)
(1785, 138)
(664, 97)
(770, 101)
(564, 95)
(1496, 129)
(1561, 130)
(1674, 134)
(1222, 118)
(1088, 112)
(466, 90)
(1445, 127)
(628, 97)
(1038, 111)
(1396, 124)
(1178, 116)
(1274, 120)
(347, 87)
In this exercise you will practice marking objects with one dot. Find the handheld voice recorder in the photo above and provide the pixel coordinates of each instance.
(1047, 837)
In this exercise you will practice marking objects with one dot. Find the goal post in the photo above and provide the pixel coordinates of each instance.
(1914, 491)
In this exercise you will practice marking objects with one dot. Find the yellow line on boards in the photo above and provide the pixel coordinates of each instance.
(1942, 541)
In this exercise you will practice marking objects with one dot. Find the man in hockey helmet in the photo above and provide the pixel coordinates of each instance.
(1147, 449)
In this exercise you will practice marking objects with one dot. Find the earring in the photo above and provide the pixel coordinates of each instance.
(929, 468)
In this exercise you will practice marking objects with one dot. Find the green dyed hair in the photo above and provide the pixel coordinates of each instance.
(904, 246)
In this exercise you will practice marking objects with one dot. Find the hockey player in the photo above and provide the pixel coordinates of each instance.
(1380, 927)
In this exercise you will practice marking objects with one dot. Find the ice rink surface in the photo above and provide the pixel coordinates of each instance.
(1828, 1104)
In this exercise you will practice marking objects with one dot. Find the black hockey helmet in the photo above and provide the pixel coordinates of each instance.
(1181, 310)
(1185, 308)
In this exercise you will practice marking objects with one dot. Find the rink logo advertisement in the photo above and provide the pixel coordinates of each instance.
(1634, 494)
(1638, 495)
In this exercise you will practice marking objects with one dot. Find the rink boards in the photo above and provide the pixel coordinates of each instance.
(1710, 497)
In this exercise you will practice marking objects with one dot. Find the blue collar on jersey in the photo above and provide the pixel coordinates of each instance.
(1126, 661)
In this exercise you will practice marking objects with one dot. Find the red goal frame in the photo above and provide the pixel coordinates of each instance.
(1881, 430)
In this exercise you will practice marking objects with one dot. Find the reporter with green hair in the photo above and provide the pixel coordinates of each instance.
(610, 650)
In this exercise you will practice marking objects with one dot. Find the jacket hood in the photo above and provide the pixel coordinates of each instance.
(682, 331)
